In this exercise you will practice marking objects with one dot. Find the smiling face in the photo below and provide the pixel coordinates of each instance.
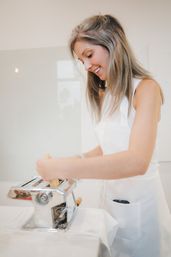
(95, 58)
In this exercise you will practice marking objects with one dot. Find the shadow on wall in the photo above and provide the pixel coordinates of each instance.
(165, 175)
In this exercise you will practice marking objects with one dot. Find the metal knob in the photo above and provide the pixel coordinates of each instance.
(43, 198)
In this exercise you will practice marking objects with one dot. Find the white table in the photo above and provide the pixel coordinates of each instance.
(28, 244)
(90, 235)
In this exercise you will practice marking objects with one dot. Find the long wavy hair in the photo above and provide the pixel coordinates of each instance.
(106, 31)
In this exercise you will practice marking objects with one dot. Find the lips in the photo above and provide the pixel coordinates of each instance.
(96, 70)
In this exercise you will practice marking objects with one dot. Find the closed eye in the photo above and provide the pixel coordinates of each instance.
(89, 56)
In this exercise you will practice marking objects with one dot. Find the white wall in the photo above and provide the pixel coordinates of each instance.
(40, 109)
(45, 23)
(40, 24)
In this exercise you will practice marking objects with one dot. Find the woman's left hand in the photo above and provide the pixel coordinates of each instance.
(54, 168)
(47, 167)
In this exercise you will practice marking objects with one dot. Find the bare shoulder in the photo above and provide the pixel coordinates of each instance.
(148, 90)
(148, 86)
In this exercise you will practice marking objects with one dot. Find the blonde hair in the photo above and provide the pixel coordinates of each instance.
(106, 31)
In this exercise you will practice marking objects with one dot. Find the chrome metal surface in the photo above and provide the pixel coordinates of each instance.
(54, 208)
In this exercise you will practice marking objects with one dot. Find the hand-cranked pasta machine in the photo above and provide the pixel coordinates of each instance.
(54, 206)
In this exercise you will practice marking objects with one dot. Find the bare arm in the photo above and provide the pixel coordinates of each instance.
(134, 161)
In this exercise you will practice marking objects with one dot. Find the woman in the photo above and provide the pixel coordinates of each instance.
(126, 103)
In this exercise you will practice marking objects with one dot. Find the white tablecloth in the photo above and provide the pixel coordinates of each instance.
(91, 235)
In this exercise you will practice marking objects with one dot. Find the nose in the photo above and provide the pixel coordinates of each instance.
(87, 65)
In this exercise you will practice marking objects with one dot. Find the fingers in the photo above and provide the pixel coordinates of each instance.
(54, 183)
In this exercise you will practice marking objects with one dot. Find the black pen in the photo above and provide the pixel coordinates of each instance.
(121, 201)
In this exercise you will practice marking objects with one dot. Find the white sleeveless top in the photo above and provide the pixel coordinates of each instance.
(113, 131)
(145, 219)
